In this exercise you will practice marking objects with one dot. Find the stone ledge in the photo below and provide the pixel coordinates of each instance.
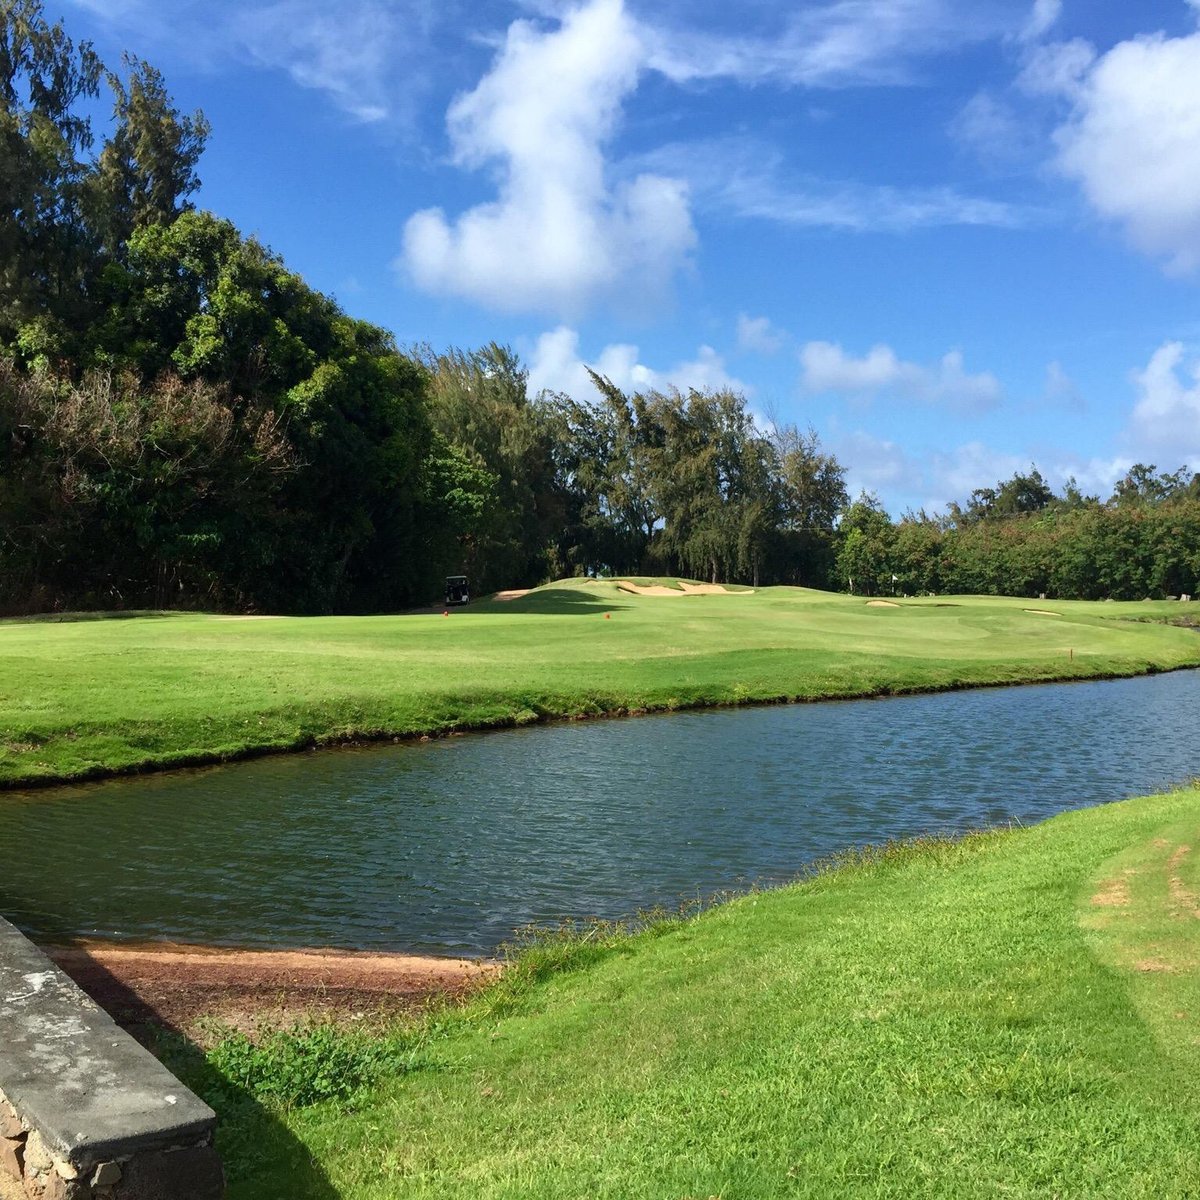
(84, 1110)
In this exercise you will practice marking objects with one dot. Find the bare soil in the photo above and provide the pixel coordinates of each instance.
(189, 988)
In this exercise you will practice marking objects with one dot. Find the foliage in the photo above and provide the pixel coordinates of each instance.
(307, 1065)
(184, 422)
(1020, 539)
(690, 484)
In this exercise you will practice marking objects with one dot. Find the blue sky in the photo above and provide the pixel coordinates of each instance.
(955, 237)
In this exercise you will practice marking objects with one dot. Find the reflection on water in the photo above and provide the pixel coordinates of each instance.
(447, 846)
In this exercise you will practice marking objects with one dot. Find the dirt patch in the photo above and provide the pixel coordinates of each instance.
(1042, 612)
(1180, 892)
(249, 617)
(184, 987)
(512, 594)
(1152, 965)
(1112, 894)
(882, 604)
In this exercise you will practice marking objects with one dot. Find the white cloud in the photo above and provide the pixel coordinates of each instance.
(1165, 422)
(556, 365)
(344, 50)
(934, 479)
(1132, 143)
(954, 475)
(757, 335)
(559, 235)
(368, 56)
(875, 464)
(990, 128)
(749, 179)
(1057, 68)
(1060, 390)
(826, 367)
(1042, 17)
(844, 42)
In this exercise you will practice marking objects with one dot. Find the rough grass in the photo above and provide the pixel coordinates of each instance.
(941, 1019)
(86, 697)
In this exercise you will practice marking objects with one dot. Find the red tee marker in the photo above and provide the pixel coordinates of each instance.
(608, 616)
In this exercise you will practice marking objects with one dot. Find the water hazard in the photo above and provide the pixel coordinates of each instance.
(447, 846)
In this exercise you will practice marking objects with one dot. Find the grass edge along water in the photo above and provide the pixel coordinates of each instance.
(92, 697)
(1010, 1013)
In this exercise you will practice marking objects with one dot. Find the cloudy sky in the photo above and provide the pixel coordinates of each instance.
(954, 236)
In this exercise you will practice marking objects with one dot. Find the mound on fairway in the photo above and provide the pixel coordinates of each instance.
(944, 1019)
(93, 696)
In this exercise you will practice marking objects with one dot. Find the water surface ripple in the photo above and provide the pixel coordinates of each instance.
(447, 846)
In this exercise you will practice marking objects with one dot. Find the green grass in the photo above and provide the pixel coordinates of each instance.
(84, 697)
(941, 1019)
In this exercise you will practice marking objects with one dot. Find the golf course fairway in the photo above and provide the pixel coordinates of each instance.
(99, 694)
(1012, 1014)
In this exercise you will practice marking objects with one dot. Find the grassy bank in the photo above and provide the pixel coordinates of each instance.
(85, 697)
(1014, 1014)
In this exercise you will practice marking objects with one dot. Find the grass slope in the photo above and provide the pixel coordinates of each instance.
(93, 696)
(1015, 1014)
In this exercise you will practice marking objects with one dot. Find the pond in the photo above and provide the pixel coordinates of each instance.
(447, 846)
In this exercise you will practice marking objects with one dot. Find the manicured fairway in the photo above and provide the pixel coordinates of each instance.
(91, 696)
(1016, 1014)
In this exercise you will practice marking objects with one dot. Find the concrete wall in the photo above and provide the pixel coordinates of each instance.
(85, 1112)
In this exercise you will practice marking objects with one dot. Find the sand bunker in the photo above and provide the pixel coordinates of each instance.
(1042, 612)
(684, 589)
(512, 594)
(882, 604)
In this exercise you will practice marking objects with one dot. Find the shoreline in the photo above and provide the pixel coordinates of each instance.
(200, 760)
(186, 987)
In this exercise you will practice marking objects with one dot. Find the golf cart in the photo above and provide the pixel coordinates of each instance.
(458, 590)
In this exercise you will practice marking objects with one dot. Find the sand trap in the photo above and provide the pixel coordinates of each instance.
(882, 604)
(712, 589)
(1042, 612)
(250, 617)
(654, 589)
(512, 594)
(684, 589)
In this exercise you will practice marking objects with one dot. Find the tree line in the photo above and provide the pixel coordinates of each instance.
(185, 422)
(1021, 539)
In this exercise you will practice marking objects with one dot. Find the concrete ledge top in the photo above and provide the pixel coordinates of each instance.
(84, 1084)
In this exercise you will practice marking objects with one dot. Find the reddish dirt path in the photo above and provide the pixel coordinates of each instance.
(187, 987)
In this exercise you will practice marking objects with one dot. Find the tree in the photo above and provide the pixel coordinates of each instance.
(865, 559)
(812, 497)
(1145, 485)
(479, 404)
(45, 250)
(147, 167)
(1010, 498)
(64, 217)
